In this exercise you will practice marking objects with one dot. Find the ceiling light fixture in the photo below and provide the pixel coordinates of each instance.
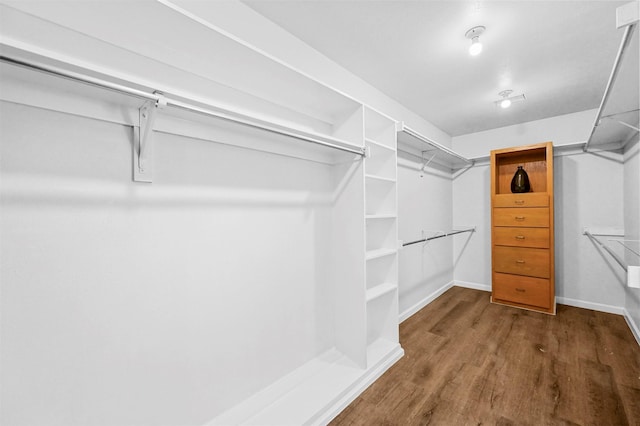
(505, 102)
(474, 34)
(507, 99)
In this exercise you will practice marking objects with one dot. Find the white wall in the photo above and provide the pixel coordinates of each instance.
(424, 207)
(561, 130)
(588, 192)
(472, 207)
(632, 224)
(163, 303)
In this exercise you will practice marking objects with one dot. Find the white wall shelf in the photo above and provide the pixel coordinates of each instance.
(225, 70)
(381, 162)
(374, 254)
(380, 144)
(384, 179)
(37, 84)
(421, 146)
(380, 290)
(381, 216)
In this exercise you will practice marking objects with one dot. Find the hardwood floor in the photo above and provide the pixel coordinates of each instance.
(469, 362)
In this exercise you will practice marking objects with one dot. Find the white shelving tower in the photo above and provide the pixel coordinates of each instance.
(381, 236)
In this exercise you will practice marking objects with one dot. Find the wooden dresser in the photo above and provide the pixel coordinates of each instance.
(522, 246)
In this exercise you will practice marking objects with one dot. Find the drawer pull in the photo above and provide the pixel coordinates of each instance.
(519, 237)
(521, 290)
(519, 201)
(520, 261)
(519, 218)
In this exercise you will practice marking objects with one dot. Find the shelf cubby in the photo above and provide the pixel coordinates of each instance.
(381, 270)
(533, 161)
(381, 233)
(380, 196)
(380, 129)
(380, 162)
(382, 317)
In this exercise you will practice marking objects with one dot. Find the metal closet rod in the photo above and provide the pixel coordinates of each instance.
(626, 38)
(607, 249)
(438, 236)
(97, 82)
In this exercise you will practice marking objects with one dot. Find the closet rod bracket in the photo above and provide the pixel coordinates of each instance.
(142, 144)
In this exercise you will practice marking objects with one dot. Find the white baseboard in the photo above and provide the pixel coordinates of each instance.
(424, 302)
(635, 330)
(475, 286)
(590, 305)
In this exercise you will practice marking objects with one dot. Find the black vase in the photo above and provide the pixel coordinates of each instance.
(520, 182)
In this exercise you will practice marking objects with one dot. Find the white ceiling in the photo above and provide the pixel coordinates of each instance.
(558, 53)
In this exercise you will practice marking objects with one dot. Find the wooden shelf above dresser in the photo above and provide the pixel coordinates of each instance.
(522, 244)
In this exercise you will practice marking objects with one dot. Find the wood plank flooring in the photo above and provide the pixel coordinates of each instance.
(469, 362)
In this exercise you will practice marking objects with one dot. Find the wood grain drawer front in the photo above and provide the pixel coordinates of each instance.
(531, 199)
(532, 262)
(521, 237)
(535, 217)
(525, 290)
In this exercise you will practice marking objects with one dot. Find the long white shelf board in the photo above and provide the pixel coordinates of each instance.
(381, 216)
(421, 146)
(374, 254)
(380, 178)
(380, 290)
(75, 29)
(380, 144)
(48, 91)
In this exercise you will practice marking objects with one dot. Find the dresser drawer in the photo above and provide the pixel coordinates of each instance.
(521, 237)
(518, 289)
(535, 217)
(533, 262)
(531, 199)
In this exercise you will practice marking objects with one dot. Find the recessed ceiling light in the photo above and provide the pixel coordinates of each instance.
(474, 34)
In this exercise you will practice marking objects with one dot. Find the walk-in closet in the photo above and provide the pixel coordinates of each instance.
(305, 212)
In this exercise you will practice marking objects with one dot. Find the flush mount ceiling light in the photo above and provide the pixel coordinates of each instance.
(474, 34)
(507, 99)
(505, 102)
